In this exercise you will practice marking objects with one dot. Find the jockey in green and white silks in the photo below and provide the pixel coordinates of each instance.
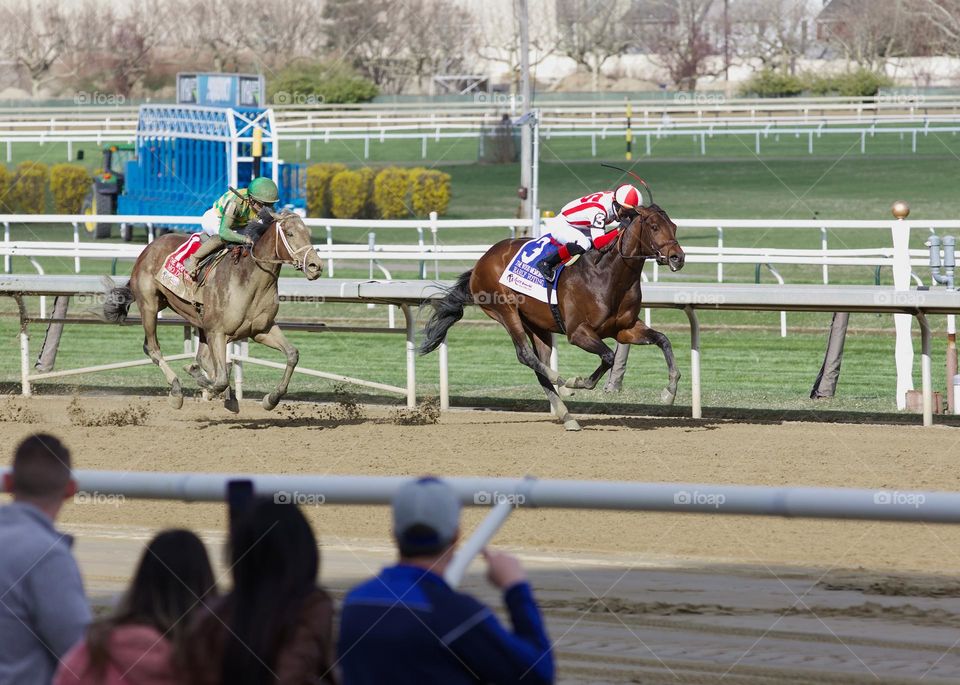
(231, 211)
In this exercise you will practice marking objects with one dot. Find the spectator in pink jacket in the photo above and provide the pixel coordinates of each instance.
(141, 642)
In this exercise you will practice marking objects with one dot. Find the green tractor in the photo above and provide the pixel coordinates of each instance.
(107, 186)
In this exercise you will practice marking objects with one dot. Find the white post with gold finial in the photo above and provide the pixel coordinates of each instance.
(901, 281)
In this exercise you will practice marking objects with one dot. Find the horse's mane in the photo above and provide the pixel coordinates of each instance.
(256, 228)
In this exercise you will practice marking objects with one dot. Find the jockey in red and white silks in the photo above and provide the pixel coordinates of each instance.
(582, 223)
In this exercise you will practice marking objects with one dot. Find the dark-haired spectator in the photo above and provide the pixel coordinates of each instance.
(139, 644)
(43, 608)
(276, 624)
(407, 626)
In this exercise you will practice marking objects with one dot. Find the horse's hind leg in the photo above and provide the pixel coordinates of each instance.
(640, 334)
(277, 340)
(540, 340)
(151, 347)
(510, 319)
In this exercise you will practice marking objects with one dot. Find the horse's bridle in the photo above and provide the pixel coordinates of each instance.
(658, 250)
(298, 262)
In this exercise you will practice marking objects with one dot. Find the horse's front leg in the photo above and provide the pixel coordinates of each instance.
(587, 339)
(615, 381)
(640, 334)
(277, 340)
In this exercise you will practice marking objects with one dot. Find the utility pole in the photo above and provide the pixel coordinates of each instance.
(525, 131)
(726, 43)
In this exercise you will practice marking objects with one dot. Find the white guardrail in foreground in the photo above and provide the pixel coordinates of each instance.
(408, 295)
(506, 495)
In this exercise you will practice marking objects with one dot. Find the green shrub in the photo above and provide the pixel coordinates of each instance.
(318, 187)
(318, 83)
(69, 186)
(29, 194)
(348, 195)
(390, 189)
(858, 83)
(429, 192)
(6, 205)
(367, 175)
(770, 83)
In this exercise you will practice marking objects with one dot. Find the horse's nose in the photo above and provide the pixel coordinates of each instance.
(676, 261)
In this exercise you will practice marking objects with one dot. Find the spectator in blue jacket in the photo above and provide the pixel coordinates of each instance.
(407, 626)
(43, 608)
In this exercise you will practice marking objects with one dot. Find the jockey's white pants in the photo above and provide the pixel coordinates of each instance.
(564, 233)
(210, 222)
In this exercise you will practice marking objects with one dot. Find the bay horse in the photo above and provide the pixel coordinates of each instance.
(599, 297)
(240, 300)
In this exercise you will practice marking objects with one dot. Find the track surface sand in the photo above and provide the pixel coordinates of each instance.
(630, 597)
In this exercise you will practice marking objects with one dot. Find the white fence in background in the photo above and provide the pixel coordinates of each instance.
(809, 118)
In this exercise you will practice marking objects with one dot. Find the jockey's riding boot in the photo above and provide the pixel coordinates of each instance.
(548, 265)
(192, 263)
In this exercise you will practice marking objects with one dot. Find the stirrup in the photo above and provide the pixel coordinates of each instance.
(549, 272)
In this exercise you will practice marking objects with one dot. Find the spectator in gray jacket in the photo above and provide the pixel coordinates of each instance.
(43, 608)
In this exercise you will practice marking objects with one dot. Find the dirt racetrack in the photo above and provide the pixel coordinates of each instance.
(760, 599)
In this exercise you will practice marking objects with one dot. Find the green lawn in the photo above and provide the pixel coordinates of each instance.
(745, 362)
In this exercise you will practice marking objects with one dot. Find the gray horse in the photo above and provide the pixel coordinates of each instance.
(240, 300)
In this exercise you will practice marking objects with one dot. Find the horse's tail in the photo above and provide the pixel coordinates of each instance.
(117, 304)
(446, 312)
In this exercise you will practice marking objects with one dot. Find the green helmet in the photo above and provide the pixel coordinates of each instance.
(263, 189)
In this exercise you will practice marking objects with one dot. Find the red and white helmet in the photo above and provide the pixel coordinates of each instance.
(628, 196)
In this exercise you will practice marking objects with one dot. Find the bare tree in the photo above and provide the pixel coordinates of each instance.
(777, 32)
(501, 35)
(287, 29)
(37, 36)
(211, 27)
(441, 38)
(134, 38)
(593, 31)
(681, 40)
(869, 33)
(941, 24)
(363, 33)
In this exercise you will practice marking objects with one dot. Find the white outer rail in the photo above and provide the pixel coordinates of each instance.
(691, 498)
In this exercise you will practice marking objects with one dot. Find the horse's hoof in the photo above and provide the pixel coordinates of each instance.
(667, 397)
(611, 388)
(571, 425)
(231, 404)
(571, 383)
(176, 395)
(564, 391)
(270, 402)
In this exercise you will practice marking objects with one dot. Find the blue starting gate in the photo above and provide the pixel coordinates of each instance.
(188, 154)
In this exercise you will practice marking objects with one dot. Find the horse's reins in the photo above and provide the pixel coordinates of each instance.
(296, 261)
